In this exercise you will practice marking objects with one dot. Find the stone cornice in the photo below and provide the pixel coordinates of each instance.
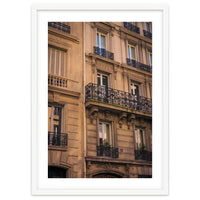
(118, 161)
(64, 91)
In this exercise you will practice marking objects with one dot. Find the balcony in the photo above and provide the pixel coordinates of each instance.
(60, 26)
(132, 27)
(58, 81)
(143, 155)
(147, 34)
(138, 65)
(104, 53)
(93, 92)
(107, 151)
(57, 139)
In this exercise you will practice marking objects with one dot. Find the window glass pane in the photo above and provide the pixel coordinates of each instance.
(129, 52)
(150, 59)
(100, 134)
(136, 91)
(100, 130)
(137, 138)
(103, 42)
(141, 137)
(97, 39)
(133, 53)
(108, 133)
(104, 136)
(105, 80)
(98, 79)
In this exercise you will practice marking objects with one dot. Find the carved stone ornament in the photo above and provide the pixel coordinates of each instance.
(93, 113)
(121, 119)
(89, 164)
(130, 120)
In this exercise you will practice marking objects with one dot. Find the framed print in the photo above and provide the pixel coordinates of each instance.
(100, 91)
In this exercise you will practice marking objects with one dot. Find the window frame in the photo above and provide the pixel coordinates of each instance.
(56, 116)
(149, 57)
(148, 27)
(99, 41)
(130, 51)
(110, 138)
(144, 142)
(61, 65)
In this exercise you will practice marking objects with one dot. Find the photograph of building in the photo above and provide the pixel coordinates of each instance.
(99, 100)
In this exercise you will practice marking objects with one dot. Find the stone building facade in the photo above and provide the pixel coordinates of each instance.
(100, 99)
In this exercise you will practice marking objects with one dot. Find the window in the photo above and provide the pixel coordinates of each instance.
(134, 89)
(56, 61)
(131, 52)
(105, 134)
(148, 30)
(140, 138)
(105, 145)
(102, 84)
(148, 26)
(55, 137)
(101, 44)
(149, 57)
(101, 40)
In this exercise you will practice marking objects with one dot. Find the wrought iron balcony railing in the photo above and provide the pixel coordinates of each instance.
(60, 26)
(117, 97)
(138, 65)
(57, 139)
(143, 155)
(132, 27)
(107, 151)
(104, 53)
(58, 81)
(147, 34)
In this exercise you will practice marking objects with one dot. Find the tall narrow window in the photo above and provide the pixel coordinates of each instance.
(148, 26)
(102, 84)
(149, 57)
(140, 138)
(55, 137)
(134, 90)
(131, 52)
(101, 44)
(105, 134)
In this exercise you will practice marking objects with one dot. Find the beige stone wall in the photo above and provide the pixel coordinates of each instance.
(70, 97)
(119, 77)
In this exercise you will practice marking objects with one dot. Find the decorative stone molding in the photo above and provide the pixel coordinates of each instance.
(89, 164)
(108, 115)
(93, 113)
(130, 120)
(104, 66)
(121, 119)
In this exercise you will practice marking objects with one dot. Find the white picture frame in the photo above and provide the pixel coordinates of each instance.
(43, 13)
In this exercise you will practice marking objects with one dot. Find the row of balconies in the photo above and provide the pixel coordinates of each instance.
(61, 140)
(133, 63)
(136, 29)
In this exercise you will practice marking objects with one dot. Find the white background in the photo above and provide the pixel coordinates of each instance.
(41, 143)
(15, 100)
